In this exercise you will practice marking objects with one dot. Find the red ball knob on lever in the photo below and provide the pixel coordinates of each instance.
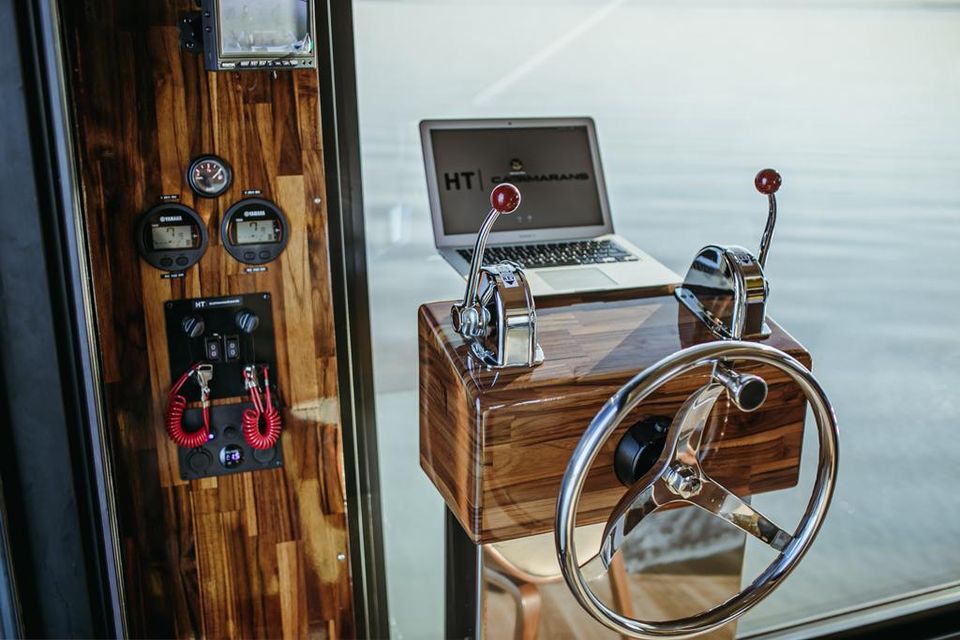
(767, 181)
(505, 198)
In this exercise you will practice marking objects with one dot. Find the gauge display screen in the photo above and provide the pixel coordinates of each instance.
(271, 27)
(172, 237)
(257, 232)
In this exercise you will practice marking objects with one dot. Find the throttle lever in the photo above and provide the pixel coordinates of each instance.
(725, 287)
(497, 316)
(768, 182)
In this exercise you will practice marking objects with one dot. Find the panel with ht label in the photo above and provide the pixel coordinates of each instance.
(223, 347)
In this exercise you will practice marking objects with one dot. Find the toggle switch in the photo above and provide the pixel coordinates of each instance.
(213, 349)
(231, 348)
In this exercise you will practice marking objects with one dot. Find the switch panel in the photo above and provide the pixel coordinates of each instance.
(229, 332)
(226, 451)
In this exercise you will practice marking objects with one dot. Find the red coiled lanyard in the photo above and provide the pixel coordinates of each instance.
(177, 404)
(262, 407)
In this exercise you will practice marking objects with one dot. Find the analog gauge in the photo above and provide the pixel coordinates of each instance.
(209, 176)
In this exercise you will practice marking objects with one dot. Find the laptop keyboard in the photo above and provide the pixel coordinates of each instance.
(555, 254)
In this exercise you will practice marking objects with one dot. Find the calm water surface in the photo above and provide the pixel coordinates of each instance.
(858, 106)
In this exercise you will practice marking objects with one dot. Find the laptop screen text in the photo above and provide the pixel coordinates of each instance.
(552, 166)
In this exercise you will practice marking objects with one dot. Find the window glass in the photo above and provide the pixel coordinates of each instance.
(857, 104)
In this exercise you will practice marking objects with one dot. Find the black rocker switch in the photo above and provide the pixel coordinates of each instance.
(193, 325)
(231, 348)
(247, 321)
(213, 349)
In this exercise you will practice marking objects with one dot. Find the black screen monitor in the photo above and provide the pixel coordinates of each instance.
(258, 34)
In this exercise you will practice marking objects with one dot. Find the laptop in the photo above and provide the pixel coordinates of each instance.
(562, 233)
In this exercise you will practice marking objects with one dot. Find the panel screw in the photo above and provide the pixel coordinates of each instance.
(317, 201)
(341, 557)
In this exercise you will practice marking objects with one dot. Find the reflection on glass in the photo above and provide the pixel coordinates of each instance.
(858, 116)
(676, 564)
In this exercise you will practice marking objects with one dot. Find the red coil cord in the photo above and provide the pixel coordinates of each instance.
(176, 404)
(262, 407)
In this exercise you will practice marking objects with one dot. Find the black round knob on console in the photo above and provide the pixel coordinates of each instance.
(193, 325)
(199, 461)
(640, 448)
(247, 321)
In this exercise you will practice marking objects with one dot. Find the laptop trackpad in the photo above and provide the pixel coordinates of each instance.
(579, 278)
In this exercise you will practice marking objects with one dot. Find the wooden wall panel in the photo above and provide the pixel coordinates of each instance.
(259, 554)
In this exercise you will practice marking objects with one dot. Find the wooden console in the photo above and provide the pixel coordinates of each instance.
(496, 442)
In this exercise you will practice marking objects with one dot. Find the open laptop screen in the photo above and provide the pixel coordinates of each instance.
(552, 166)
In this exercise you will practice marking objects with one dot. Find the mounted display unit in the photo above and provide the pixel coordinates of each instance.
(254, 231)
(171, 237)
(257, 34)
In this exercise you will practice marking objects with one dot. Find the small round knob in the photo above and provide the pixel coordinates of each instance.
(193, 325)
(505, 198)
(767, 181)
(199, 461)
(247, 321)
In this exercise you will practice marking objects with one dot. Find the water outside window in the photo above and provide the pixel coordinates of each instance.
(856, 103)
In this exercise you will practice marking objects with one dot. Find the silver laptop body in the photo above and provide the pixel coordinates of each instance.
(564, 218)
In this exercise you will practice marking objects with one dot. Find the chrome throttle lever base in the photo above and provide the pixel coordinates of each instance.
(725, 287)
(498, 316)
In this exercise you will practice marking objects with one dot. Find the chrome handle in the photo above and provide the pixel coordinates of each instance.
(467, 318)
(679, 478)
(768, 182)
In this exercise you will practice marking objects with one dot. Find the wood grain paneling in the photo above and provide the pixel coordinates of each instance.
(496, 443)
(253, 555)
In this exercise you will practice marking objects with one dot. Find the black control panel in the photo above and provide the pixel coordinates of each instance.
(226, 451)
(171, 237)
(228, 336)
(229, 332)
(254, 231)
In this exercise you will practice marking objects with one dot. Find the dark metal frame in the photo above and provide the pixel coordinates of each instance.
(463, 584)
(61, 544)
(341, 135)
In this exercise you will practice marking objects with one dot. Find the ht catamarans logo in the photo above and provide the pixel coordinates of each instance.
(468, 180)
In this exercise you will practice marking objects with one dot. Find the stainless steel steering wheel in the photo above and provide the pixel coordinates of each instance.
(678, 477)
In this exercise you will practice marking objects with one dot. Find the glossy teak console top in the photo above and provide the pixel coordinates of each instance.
(495, 443)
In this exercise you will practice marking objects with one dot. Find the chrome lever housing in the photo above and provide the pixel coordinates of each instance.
(725, 287)
(498, 315)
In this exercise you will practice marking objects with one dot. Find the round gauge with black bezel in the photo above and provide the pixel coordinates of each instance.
(171, 237)
(254, 231)
(209, 176)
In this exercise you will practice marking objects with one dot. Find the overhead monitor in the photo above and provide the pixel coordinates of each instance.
(258, 34)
